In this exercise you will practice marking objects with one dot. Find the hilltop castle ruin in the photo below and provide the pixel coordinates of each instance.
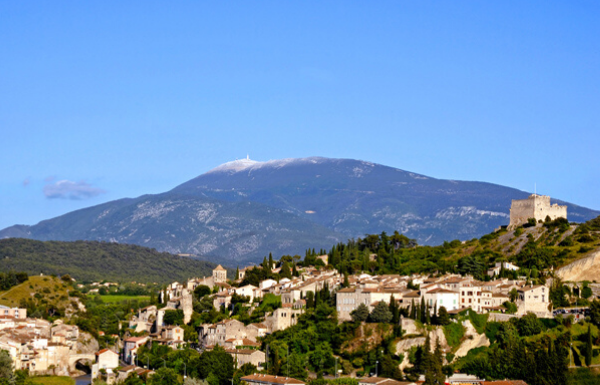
(535, 206)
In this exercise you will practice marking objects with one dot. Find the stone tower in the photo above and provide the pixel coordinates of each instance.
(535, 206)
(219, 274)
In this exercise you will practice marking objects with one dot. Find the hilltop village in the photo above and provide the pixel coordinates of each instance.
(330, 318)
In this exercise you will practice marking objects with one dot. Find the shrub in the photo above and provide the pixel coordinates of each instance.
(518, 231)
(454, 333)
(479, 321)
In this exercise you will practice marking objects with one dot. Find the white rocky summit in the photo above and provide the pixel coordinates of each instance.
(249, 164)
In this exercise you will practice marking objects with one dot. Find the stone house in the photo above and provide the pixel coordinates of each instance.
(130, 347)
(222, 298)
(14, 312)
(172, 336)
(257, 330)
(348, 299)
(144, 320)
(470, 296)
(67, 334)
(534, 299)
(105, 359)
(499, 266)
(282, 318)
(437, 298)
(228, 330)
(249, 291)
(247, 356)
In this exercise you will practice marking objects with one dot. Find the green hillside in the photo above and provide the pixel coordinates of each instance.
(98, 261)
(52, 289)
(533, 248)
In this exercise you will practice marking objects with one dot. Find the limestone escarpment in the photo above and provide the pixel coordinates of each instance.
(585, 269)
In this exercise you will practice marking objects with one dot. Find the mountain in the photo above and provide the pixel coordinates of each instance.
(242, 210)
(98, 261)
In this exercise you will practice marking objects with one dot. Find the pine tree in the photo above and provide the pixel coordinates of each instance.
(360, 314)
(381, 313)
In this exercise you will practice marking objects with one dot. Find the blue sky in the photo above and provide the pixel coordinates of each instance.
(104, 100)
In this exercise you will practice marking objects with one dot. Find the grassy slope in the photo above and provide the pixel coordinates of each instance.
(52, 380)
(36, 284)
(120, 298)
(97, 261)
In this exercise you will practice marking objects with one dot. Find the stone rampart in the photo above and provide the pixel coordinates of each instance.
(535, 206)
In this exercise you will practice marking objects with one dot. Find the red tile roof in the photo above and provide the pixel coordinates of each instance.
(268, 379)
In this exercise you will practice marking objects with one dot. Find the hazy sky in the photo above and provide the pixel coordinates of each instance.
(103, 100)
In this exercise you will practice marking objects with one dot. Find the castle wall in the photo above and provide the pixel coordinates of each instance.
(535, 206)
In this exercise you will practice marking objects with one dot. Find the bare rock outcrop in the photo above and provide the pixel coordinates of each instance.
(472, 340)
(585, 269)
(409, 326)
(86, 344)
(403, 346)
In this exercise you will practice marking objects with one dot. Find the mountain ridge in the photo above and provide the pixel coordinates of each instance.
(244, 209)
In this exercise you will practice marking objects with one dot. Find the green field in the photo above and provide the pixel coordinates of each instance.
(52, 380)
(121, 298)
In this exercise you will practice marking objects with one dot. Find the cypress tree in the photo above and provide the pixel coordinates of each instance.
(427, 362)
(423, 309)
(270, 261)
(437, 364)
(413, 313)
(588, 347)
(237, 273)
(394, 310)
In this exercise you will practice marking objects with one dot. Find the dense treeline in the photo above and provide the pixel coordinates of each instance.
(537, 361)
(98, 261)
(12, 278)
